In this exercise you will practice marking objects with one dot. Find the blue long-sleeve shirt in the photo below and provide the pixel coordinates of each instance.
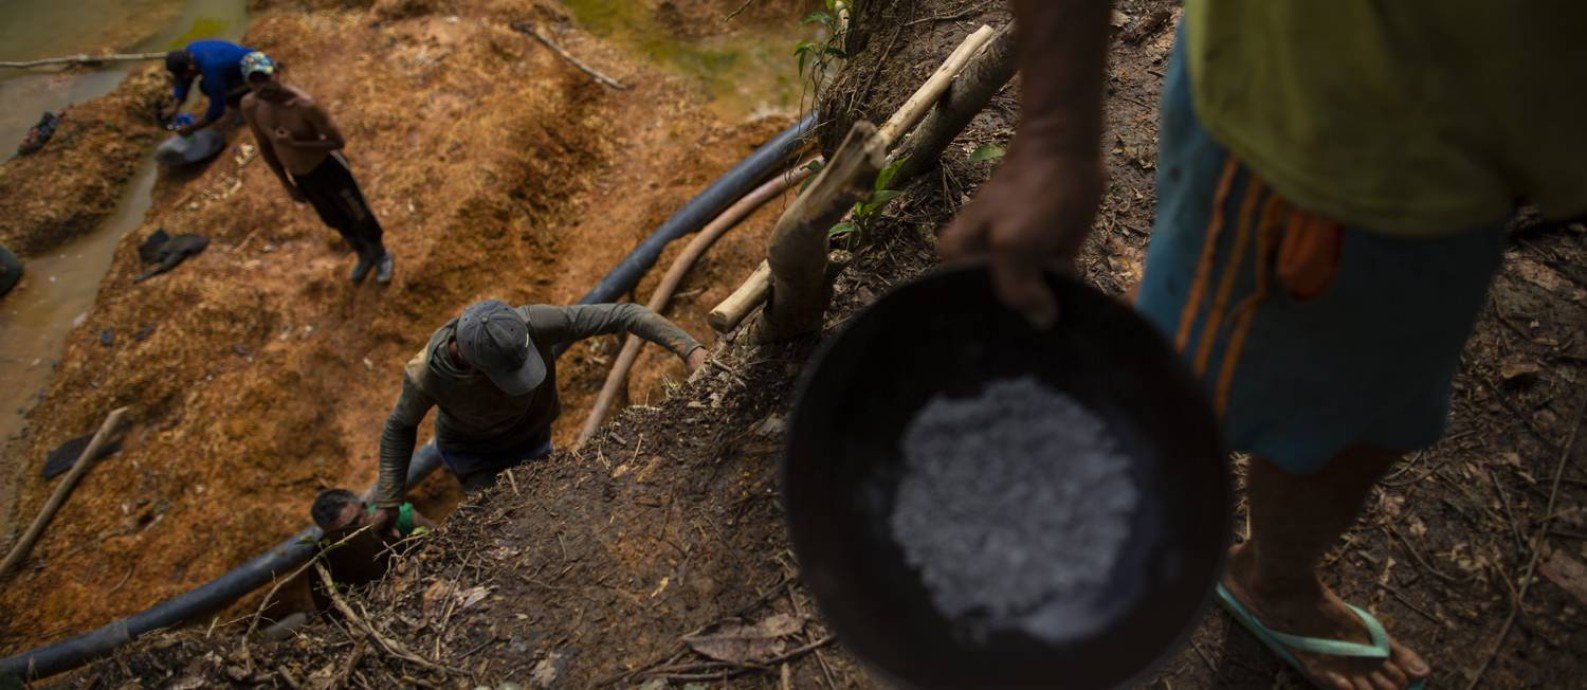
(220, 66)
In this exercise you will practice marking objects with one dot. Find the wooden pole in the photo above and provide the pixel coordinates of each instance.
(969, 94)
(696, 248)
(800, 290)
(81, 59)
(970, 61)
(524, 28)
(85, 461)
(926, 97)
(733, 310)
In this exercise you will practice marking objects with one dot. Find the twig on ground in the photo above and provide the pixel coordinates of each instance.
(1537, 549)
(124, 579)
(683, 649)
(1204, 657)
(1526, 419)
(740, 10)
(1417, 554)
(946, 17)
(739, 670)
(280, 581)
(1406, 601)
(737, 377)
(390, 646)
(525, 28)
(1504, 501)
(351, 663)
(85, 461)
(81, 59)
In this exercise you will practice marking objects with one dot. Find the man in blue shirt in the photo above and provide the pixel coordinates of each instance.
(219, 63)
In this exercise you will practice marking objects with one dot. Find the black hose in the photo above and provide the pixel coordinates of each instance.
(220, 592)
(709, 204)
(209, 598)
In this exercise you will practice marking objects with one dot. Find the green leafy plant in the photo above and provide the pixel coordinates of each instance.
(814, 166)
(817, 57)
(987, 152)
(861, 221)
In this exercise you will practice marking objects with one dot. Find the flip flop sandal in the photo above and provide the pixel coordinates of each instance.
(1282, 643)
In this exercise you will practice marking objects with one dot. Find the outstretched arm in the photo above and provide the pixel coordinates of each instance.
(180, 90)
(571, 324)
(397, 442)
(1037, 209)
(214, 87)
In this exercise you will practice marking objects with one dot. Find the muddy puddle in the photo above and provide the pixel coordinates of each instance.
(60, 289)
(748, 73)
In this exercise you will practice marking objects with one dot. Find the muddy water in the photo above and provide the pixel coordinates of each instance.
(59, 288)
(747, 74)
(31, 29)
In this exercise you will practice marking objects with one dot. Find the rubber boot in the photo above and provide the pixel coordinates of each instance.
(367, 258)
(383, 263)
(383, 270)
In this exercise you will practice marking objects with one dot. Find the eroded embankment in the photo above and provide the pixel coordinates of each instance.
(65, 189)
(259, 375)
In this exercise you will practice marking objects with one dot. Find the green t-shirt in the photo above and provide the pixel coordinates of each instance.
(1407, 117)
(405, 525)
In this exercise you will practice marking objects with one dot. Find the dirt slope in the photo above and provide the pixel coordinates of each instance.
(591, 568)
(66, 188)
(259, 375)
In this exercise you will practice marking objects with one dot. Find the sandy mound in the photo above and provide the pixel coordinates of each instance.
(71, 184)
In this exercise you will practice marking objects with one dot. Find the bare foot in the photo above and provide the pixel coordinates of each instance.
(1313, 610)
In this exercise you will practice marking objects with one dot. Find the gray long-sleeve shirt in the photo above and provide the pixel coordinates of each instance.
(476, 417)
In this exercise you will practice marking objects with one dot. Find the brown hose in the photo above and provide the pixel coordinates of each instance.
(697, 248)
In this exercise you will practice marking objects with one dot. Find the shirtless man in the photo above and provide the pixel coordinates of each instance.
(303, 148)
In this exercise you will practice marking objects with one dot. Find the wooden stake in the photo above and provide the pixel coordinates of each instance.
(522, 27)
(731, 312)
(925, 97)
(800, 290)
(82, 59)
(989, 69)
(971, 91)
(85, 462)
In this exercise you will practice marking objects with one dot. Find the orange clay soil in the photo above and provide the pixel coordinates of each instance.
(258, 374)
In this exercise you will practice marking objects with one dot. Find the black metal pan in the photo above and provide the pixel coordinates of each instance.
(946, 334)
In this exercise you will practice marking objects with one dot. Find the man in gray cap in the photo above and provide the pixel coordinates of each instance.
(492, 375)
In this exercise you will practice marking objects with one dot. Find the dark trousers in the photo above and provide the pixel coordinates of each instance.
(478, 471)
(335, 196)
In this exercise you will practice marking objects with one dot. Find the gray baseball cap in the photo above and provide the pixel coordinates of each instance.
(495, 340)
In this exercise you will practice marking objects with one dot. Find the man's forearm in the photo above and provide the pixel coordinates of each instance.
(1062, 55)
(397, 442)
(588, 320)
(657, 329)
